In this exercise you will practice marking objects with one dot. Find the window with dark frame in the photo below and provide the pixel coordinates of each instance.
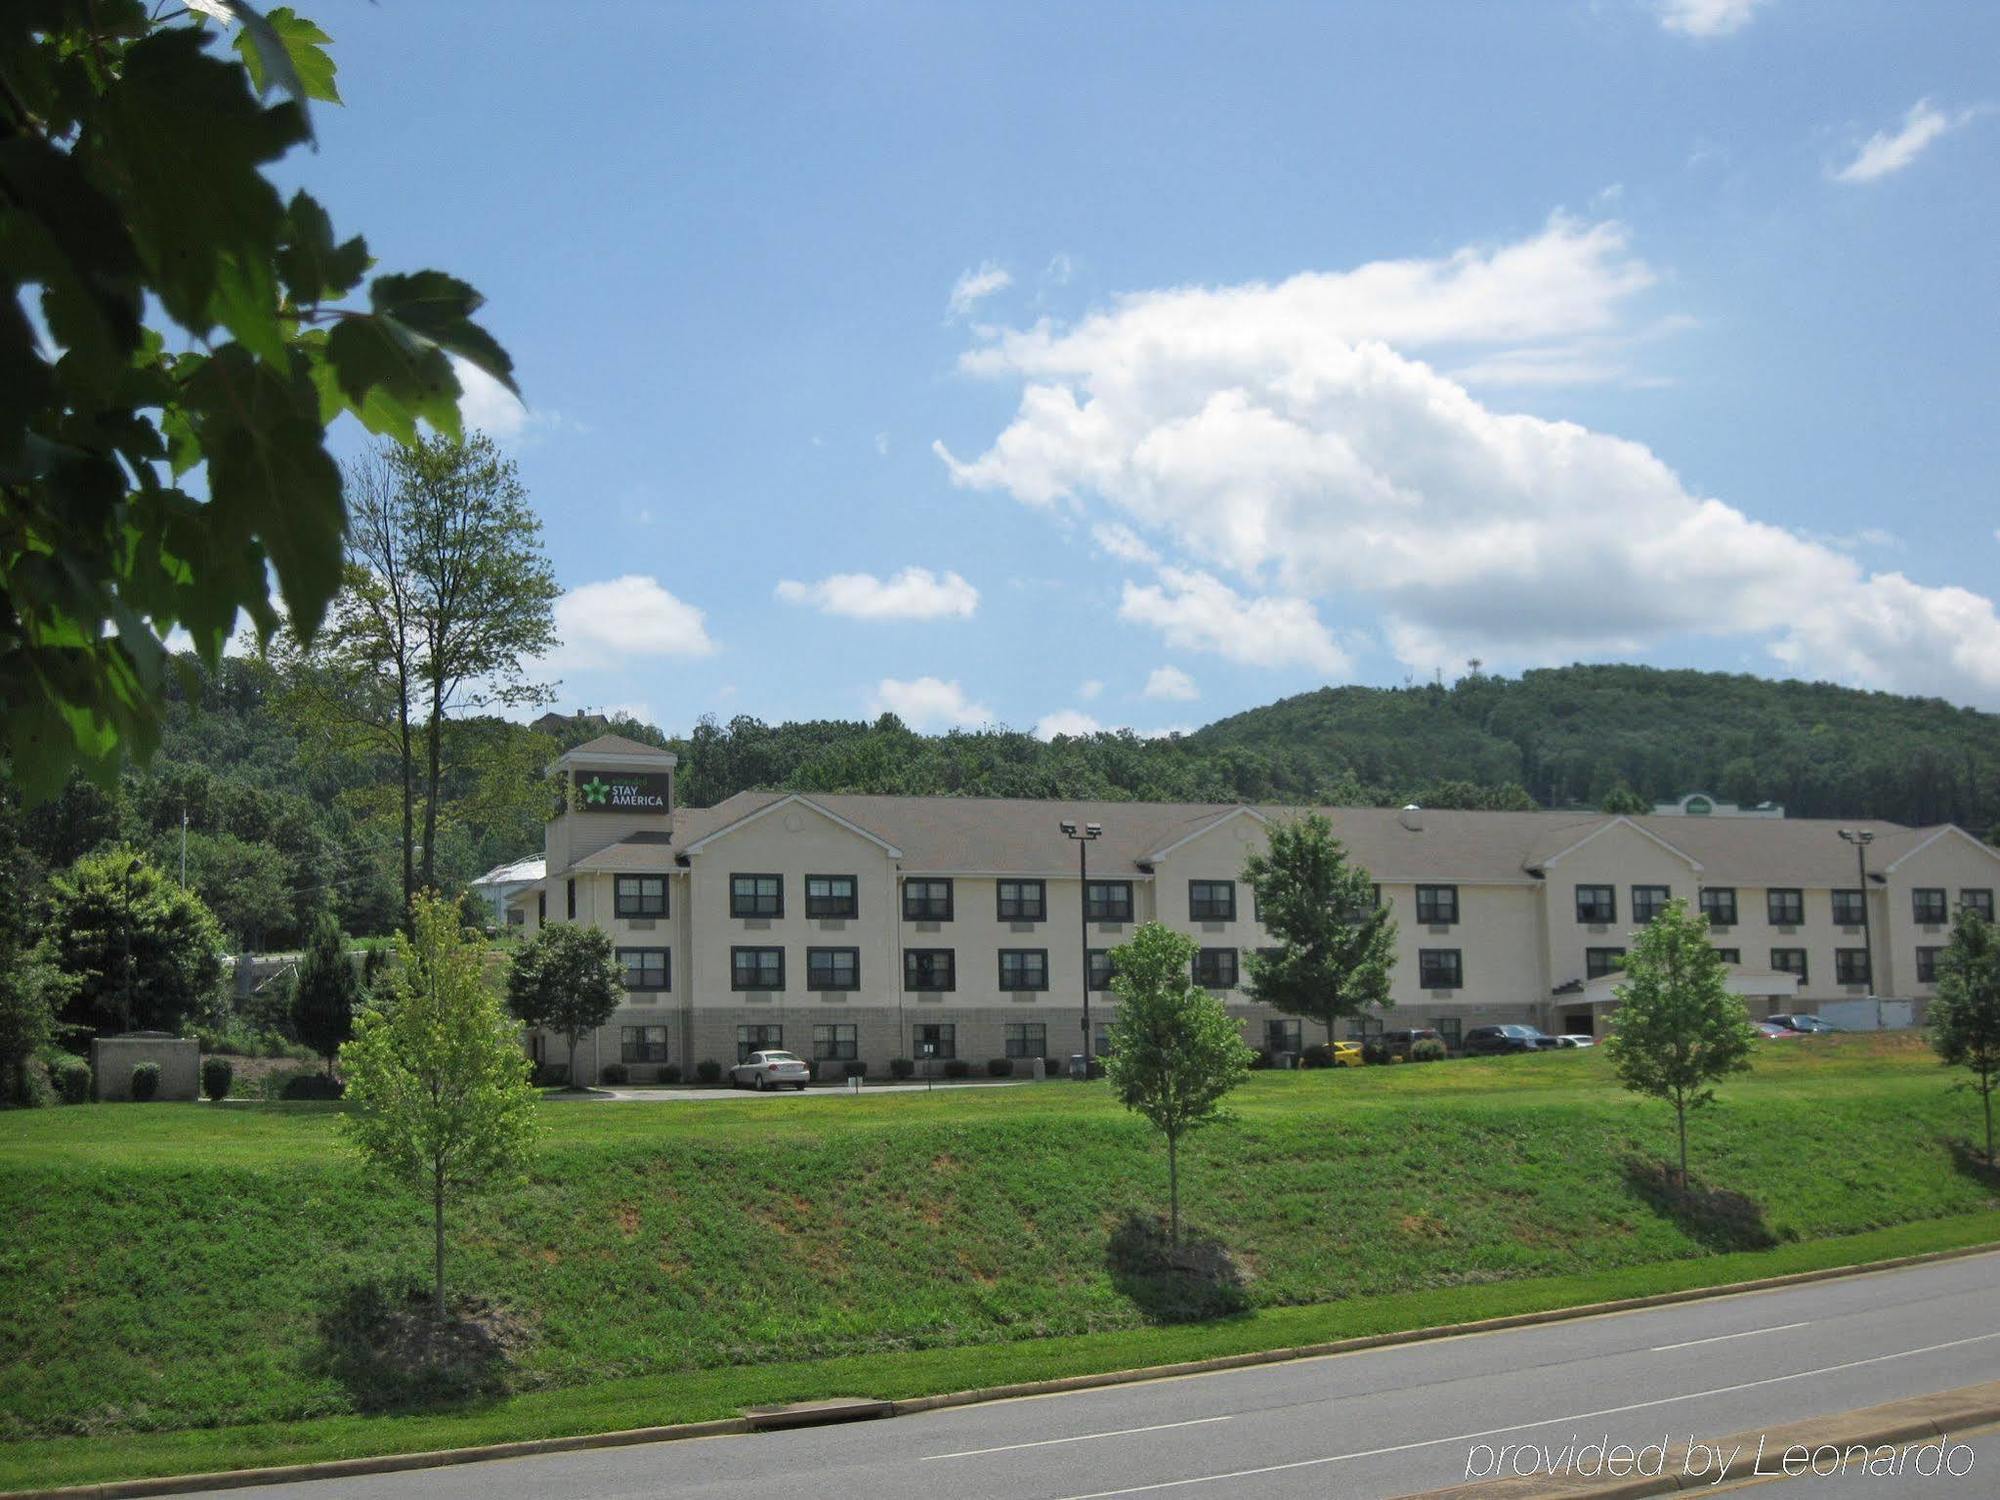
(1027, 1039)
(1215, 968)
(1928, 906)
(1789, 961)
(832, 896)
(1597, 962)
(640, 896)
(569, 887)
(1850, 966)
(1730, 955)
(1648, 901)
(1283, 1036)
(1597, 904)
(751, 1039)
(756, 895)
(643, 968)
(1974, 899)
(1107, 900)
(1437, 905)
(1784, 907)
(928, 969)
(642, 1044)
(833, 968)
(836, 1041)
(935, 1040)
(541, 908)
(1021, 900)
(1102, 970)
(1211, 901)
(1850, 909)
(1440, 969)
(1927, 965)
(927, 900)
(1718, 904)
(1449, 1030)
(1024, 968)
(756, 968)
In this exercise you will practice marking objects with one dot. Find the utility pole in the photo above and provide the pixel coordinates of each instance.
(184, 846)
(1082, 838)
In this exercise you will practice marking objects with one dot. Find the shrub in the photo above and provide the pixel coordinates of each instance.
(708, 1070)
(670, 1073)
(613, 1074)
(999, 1067)
(301, 1083)
(1318, 1055)
(145, 1081)
(71, 1076)
(1260, 1058)
(1427, 1049)
(901, 1067)
(856, 1070)
(957, 1067)
(217, 1074)
(550, 1075)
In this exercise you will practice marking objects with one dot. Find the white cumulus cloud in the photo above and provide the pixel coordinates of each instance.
(929, 703)
(977, 284)
(1120, 541)
(606, 624)
(1070, 721)
(913, 594)
(1198, 612)
(1171, 684)
(1090, 689)
(1889, 151)
(1707, 17)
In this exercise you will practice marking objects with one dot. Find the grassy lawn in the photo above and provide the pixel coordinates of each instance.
(180, 1278)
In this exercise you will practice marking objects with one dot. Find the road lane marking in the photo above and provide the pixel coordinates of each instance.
(1080, 1438)
(1581, 1416)
(1748, 1333)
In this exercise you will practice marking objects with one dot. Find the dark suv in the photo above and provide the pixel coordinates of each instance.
(1484, 1041)
(1383, 1045)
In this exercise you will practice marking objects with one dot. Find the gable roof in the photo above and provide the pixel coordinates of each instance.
(1538, 859)
(615, 745)
(789, 799)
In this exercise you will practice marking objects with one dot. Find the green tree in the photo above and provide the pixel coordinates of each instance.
(436, 1073)
(31, 993)
(1964, 1016)
(242, 882)
(132, 183)
(1335, 941)
(325, 991)
(1175, 1054)
(141, 953)
(1622, 799)
(1677, 1030)
(566, 979)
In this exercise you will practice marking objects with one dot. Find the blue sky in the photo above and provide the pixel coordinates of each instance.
(1195, 355)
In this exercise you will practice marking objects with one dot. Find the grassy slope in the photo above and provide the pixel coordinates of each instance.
(169, 1267)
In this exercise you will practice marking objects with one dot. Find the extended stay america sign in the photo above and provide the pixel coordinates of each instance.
(621, 792)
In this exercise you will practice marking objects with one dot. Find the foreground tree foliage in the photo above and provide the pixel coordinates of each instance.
(566, 980)
(1677, 1030)
(134, 143)
(1336, 942)
(1174, 1052)
(1964, 1016)
(435, 1072)
(138, 953)
(325, 991)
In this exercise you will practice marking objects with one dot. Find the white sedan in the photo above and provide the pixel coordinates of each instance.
(770, 1070)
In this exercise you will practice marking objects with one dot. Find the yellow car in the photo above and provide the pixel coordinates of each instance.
(1347, 1054)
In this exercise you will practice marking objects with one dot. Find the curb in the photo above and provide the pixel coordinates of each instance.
(390, 1463)
(1916, 1419)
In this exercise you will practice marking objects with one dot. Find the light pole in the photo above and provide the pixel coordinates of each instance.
(1082, 838)
(1861, 838)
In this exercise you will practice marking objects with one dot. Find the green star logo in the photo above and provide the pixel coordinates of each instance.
(595, 790)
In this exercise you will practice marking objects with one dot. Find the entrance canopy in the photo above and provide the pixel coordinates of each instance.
(1749, 983)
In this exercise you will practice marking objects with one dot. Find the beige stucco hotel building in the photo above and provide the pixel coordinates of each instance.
(865, 928)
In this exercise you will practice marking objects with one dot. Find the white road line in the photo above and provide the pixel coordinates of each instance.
(1581, 1416)
(1081, 1438)
(1721, 1338)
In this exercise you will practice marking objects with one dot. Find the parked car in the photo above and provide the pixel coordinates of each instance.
(1771, 1031)
(770, 1070)
(1808, 1025)
(1486, 1041)
(1575, 1039)
(1381, 1046)
(1347, 1055)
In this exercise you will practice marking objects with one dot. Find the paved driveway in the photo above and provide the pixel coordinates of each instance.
(817, 1091)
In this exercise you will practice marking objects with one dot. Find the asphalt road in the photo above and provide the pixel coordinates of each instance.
(1382, 1422)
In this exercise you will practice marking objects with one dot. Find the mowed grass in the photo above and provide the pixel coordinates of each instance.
(176, 1267)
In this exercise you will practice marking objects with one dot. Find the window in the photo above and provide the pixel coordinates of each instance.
(643, 968)
(1211, 901)
(1027, 1039)
(1927, 965)
(838, 1041)
(756, 968)
(751, 1039)
(928, 969)
(1596, 904)
(1102, 969)
(1927, 906)
(541, 908)
(831, 896)
(1283, 1036)
(642, 1044)
(1789, 961)
(1597, 962)
(1022, 900)
(570, 888)
(1977, 900)
(1024, 968)
(1648, 901)
(1785, 908)
(833, 968)
(1718, 904)
(1850, 965)
(1107, 900)
(1215, 968)
(1439, 968)
(1437, 904)
(1849, 909)
(756, 895)
(1730, 955)
(1100, 1040)
(641, 896)
(927, 900)
(1450, 1029)
(934, 1041)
